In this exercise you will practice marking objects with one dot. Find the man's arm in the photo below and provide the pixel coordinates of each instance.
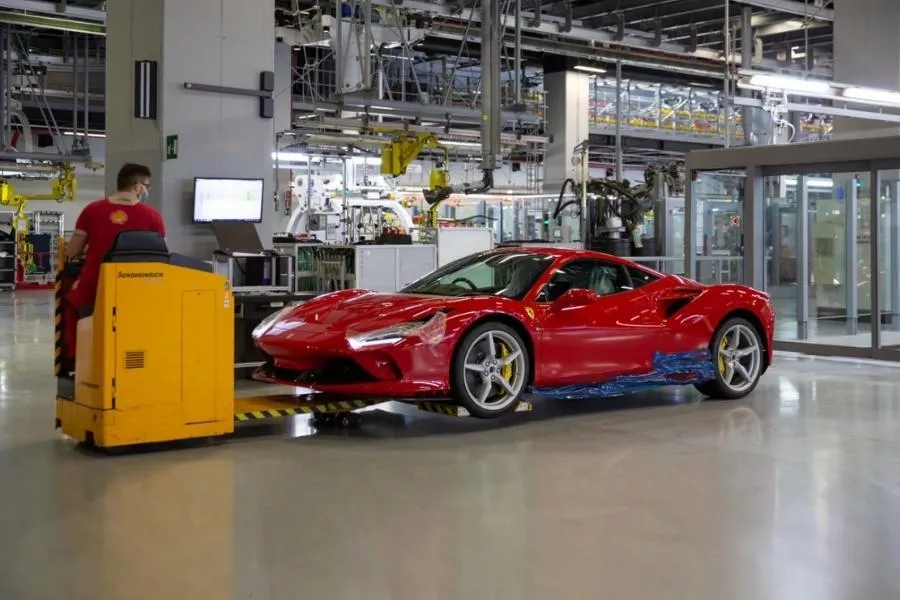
(76, 245)
(159, 224)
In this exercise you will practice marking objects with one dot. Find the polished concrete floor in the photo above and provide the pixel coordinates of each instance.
(793, 494)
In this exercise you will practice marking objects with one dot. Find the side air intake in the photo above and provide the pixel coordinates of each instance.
(134, 359)
(677, 298)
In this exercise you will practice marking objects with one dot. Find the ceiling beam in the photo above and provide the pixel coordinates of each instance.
(632, 39)
(55, 9)
(596, 9)
(792, 7)
(788, 26)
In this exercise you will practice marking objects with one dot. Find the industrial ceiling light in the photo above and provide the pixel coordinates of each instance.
(460, 144)
(589, 69)
(289, 156)
(80, 133)
(872, 95)
(792, 84)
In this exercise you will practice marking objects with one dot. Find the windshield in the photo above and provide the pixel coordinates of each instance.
(507, 274)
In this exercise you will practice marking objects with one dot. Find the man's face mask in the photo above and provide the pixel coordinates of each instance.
(144, 194)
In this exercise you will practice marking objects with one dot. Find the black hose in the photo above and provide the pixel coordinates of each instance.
(568, 203)
(562, 192)
(487, 182)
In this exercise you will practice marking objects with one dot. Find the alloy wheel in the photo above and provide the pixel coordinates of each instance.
(739, 358)
(495, 370)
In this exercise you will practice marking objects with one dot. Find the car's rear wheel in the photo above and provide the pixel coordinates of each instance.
(737, 351)
(490, 370)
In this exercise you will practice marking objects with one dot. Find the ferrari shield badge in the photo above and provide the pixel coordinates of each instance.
(530, 312)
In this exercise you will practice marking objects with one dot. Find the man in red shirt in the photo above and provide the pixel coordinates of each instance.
(96, 229)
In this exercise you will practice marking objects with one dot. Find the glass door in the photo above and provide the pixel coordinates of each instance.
(719, 197)
(782, 243)
(888, 263)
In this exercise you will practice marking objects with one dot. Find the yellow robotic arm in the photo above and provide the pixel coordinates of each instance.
(402, 150)
(63, 189)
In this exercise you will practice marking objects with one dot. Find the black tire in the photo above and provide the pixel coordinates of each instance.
(720, 388)
(462, 379)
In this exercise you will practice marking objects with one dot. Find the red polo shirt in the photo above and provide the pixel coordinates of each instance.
(102, 220)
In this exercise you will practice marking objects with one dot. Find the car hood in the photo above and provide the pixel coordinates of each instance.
(367, 311)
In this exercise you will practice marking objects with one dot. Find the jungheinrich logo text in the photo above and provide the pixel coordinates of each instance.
(139, 275)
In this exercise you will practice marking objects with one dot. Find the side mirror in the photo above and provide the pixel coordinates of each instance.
(574, 299)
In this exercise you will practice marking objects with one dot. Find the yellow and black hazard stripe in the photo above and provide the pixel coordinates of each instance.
(58, 327)
(267, 414)
(454, 410)
(443, 408)
(306, 409)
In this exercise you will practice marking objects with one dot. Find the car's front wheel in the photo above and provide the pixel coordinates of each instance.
(737, 352)
(490, 370)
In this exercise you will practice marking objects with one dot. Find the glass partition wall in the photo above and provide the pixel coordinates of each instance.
(718, 226)
(822, 238)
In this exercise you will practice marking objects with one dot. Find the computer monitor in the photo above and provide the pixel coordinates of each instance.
(219, 199)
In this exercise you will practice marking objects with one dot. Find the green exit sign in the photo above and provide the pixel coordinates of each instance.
(171, 147)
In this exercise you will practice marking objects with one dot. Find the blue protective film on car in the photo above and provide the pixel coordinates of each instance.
(668, 369)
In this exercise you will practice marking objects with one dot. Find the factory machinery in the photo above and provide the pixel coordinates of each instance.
(29, 240)
(378, 234)
(616, 216)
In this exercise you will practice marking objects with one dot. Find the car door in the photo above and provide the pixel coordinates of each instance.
(612, 332)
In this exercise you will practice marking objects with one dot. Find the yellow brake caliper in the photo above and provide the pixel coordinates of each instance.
(722, 346)
(506, 371)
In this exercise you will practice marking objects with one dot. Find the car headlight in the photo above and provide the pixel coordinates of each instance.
(267, 323)
(430, 330)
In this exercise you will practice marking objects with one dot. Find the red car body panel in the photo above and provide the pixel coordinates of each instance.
(616, 335)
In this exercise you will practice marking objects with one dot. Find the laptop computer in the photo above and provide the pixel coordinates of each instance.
(237, 237)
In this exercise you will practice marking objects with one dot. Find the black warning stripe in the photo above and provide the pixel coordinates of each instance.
(307, 409)
(451, 410)
(57, 325)
(454, 410)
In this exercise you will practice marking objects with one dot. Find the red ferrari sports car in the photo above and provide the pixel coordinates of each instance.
(492, 326)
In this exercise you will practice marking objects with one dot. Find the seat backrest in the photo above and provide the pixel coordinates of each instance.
(602, 283)
(138, 246)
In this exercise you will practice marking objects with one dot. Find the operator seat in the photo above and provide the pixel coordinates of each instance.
(521, 279)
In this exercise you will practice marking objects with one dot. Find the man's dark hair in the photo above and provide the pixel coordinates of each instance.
(130, 175)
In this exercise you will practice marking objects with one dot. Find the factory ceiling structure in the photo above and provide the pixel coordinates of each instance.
(57, 52)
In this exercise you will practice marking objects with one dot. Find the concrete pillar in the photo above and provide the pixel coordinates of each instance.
(568, 124)
(217, 42)
(866, 53)
(284, 78)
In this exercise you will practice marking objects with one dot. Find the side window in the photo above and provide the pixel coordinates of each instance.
(639, 277)
(600, 277)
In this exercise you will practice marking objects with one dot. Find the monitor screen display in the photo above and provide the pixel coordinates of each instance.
(218, 199)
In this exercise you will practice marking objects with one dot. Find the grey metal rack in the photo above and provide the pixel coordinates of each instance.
(8, 252)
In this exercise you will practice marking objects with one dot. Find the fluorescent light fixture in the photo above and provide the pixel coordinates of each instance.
(366, 160)
(80, 133)
(588, 69)
(872, 95)
(811, 182)
(461, 144)
(792, 84)
(289, 156)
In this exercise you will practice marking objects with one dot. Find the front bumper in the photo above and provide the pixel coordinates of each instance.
(324, 361)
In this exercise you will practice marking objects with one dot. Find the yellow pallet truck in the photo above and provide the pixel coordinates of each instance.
(154, 357)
